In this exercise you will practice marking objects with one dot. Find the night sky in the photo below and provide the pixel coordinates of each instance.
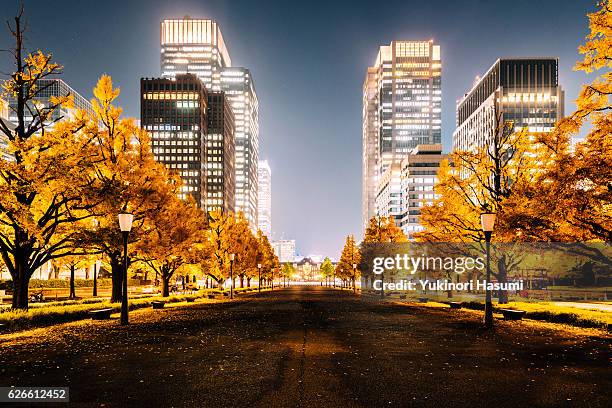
(308, 60)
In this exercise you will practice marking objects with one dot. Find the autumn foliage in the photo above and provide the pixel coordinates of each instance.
(69, 176)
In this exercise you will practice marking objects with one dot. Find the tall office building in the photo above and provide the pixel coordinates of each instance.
(197, 46)
(173, 111)
(220, 154)
(264, 203)
(193, 46)
(402, 105)
(418, 176)
(237, 83)
(523, 90)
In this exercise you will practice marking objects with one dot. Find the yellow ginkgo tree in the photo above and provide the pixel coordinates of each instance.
(44, 182)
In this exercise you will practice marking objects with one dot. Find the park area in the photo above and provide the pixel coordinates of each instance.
(313, 346)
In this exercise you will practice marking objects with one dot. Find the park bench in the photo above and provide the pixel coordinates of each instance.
(423, 299)
(455, 305)
(212, 295)
(158, 304)
(511, 314)
(101, 314)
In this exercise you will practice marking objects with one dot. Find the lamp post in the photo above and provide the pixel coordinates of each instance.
(95, 278)
(125, 224)
(259, 279)
(354, 277)
(487, 221)
(232, 257)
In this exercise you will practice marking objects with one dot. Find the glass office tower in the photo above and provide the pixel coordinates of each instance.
(402, 105)
(237, 83)
(193, 46)
(197, 46)
(220, 154)
(173, 111)
(523, 90)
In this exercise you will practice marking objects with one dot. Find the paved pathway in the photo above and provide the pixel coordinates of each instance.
(312, 347)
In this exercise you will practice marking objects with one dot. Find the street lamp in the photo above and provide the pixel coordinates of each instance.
(125, 224)
(354, 277)
(232, 257)
(259, 280)
(487, 220)
(95, 279)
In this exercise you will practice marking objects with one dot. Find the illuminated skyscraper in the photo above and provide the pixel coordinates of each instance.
(523, 90)
(173, 111)
(265, 198)
(220, 154)
(193, 46)
(237, 83)
(402, 105)
(197, 46)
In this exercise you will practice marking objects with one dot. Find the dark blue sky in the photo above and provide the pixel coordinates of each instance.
(308, 60)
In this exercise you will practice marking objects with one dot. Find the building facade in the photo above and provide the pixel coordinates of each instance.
(525, 91)
(238, 84)
(45, 90)
(197, 46)
(402, 105)
(220, 154)
(173, 111)
(418, 176)
(264, 203)
(284, 249)
(389, 195)
(193, 46)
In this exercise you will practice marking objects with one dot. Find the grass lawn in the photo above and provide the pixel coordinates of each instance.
(544, 311)
(41, 314)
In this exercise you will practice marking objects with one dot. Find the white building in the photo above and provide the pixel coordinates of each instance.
(284, 250)
(402, 105)
(264, 205)
(237, 83)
